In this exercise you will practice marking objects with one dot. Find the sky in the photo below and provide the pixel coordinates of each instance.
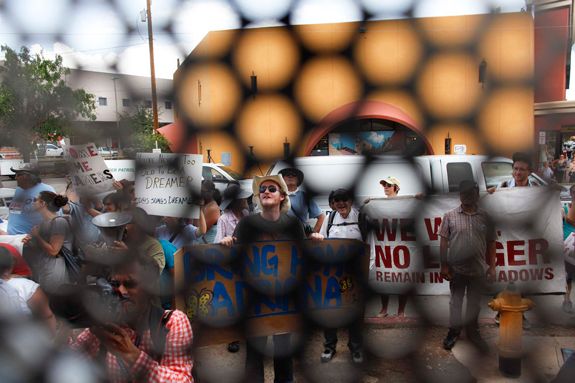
(93, 33)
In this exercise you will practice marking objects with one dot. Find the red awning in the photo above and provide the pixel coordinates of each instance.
(178, 138)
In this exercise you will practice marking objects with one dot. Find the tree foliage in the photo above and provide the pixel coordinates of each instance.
(35, 102)
(140, 123)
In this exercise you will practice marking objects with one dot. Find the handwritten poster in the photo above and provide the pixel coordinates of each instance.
(87, 169)
(167, 182)
(270, 286)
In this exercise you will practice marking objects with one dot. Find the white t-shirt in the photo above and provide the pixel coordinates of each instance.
(347, 231)
(26, 289)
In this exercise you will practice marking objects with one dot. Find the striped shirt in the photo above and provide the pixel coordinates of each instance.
(468, 235)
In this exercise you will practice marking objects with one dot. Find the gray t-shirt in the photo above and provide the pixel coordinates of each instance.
(52, 271)
(85, 232)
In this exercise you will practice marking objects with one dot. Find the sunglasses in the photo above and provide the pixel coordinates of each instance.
(130, 284)
(341, 198)
(386, 185)
(271, 188)
(290, 175)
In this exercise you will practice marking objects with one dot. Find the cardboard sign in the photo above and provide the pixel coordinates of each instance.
(265, 287)
(165, 183)
(122, 169)
(405, 241)
(87, 169)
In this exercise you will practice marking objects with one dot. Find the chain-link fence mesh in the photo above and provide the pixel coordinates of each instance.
(401, 69)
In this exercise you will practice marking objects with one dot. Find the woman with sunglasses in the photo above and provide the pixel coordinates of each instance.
(50, 237)
(343, 224)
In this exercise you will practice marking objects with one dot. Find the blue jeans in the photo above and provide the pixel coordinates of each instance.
(283, 365)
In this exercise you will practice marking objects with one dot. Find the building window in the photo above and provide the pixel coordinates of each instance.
(102, 101)
(168, 105)
(126, 102)
(148, 104)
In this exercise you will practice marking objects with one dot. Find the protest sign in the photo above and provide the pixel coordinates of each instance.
(87, 169)
(165, 183)
(268, 286)
(405, 243)
(122, 169)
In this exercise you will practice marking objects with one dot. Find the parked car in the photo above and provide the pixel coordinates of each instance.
(220, 175)
(10, 157)
(54, 151)
(438, 173)
(107, 152)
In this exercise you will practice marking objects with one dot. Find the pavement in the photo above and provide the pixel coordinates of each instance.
(405, 350)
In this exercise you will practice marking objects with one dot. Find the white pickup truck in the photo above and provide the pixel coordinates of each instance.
(438, 173)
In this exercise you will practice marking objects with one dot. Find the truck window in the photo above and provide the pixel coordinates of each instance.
(207, 173)
(496, 172)
(457, 172)
(217, 176)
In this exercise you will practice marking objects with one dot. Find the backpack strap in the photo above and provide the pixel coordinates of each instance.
(330, 222)
(158, 320)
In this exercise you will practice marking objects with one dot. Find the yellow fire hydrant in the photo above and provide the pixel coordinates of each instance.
(511, 307)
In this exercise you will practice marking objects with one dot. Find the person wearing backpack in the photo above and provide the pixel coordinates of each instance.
(344, 222)
(49, 238)
(149, 344)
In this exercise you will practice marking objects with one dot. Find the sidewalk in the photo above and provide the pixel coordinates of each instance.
(401, 351)
(436, 308)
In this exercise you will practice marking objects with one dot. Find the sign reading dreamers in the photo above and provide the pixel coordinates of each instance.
(89, 173)
(270, 285)
(405, 241)
(165, 183)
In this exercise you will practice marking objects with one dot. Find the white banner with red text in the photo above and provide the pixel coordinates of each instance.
(529, 250)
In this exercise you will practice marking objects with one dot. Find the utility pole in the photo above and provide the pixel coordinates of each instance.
(151, 38)
(117, 121)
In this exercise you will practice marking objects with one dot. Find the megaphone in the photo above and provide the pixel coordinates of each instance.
(112, 226)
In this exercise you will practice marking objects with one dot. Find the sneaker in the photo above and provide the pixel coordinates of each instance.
(450, 339)
(526, 323)
(327, 355)
(497, 319)
(234, 347)
(478, 342)
(358, 357)
(568, 307)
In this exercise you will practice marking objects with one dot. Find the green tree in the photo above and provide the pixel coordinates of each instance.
(140, 125)
(35, 103)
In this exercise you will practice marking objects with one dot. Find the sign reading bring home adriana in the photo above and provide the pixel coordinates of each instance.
(265, 287)
(166, 183)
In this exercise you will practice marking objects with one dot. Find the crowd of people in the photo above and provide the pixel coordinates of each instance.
(562, 169)
(56, 225)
